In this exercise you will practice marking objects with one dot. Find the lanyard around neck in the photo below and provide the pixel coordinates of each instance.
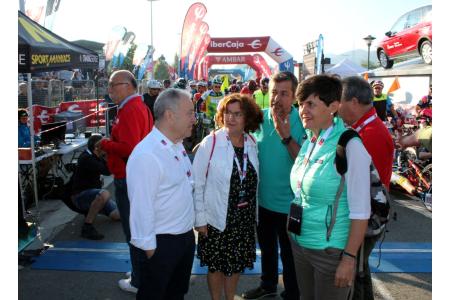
(367, 121)
(243, 171)
(313, 147)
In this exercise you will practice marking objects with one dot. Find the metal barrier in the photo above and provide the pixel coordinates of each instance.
(79, 90)
(40, 92)
(102, 88)
(52, 92)
(56, 92)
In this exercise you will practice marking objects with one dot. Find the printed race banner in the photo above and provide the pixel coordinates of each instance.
(200, 55)
(262, 65)
(45, 114)
(254, 44)
(35, 10)
(88, 108)
(139, 54)
(145, 64)
(319, 54)
(255, 61)
(50, 13)
(195, 47)
(192, 21)
(115, 36)
(238, 44)
(122, 49)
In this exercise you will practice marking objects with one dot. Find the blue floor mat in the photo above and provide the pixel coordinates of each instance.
(114, 257)
(24, 242)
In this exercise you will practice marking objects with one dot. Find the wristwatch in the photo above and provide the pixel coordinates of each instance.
(286, 140)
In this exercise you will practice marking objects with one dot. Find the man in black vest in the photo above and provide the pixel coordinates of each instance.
(154, 88)
(382, 102)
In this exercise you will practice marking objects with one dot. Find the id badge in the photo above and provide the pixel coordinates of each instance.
(243, 203)
(295, 219)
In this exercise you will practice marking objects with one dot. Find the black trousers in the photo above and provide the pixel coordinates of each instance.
(363, 288)
(166, 275)
(272, 231)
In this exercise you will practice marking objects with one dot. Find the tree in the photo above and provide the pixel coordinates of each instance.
(128, 61)
(176, 61)
(161, 69)
(373, 64)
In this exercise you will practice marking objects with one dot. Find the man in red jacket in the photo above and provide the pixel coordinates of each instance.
(357, 110)
(133, 122)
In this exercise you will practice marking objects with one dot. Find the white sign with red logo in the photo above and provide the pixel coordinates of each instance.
(43, 115)
(88, 108)
(238, 44)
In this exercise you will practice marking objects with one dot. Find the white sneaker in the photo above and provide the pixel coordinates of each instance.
(125, 285)
(128, 274)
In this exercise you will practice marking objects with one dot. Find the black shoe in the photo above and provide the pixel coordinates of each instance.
(88, 231)
(258, 293)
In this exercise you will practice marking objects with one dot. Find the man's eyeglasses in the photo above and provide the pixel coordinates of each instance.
(235, 115)
(113, 84)
(217, 86)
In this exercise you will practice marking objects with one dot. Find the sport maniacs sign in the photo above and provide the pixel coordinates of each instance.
(49, 59)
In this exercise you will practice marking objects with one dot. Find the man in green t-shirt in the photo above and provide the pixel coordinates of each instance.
(279, 140)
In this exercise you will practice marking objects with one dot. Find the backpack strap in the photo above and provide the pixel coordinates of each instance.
(341, 166)
(212, 151)
(335, 205)
(341, 158)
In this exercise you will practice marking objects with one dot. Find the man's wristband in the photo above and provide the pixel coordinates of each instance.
(286, 141)
(345, 253)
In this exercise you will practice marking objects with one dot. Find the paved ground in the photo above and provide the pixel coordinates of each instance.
(413, 224)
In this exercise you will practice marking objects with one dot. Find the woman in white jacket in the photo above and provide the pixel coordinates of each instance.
(225, 172)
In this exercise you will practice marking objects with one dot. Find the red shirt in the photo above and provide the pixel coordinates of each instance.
(133, 122)
(379, 144)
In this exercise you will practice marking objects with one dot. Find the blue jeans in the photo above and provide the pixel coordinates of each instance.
(84, 200)
(123, 204)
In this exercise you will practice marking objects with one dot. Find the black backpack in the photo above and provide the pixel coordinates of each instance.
(379, 196)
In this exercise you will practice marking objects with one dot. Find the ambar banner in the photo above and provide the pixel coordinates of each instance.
(42, 50)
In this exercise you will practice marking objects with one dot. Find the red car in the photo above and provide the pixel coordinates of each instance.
(410, 36)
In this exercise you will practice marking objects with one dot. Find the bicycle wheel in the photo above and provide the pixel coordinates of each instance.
(426, 172)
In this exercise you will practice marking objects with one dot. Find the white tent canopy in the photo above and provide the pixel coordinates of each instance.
(346, 68)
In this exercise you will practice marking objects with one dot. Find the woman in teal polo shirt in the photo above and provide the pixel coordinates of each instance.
(324, 254)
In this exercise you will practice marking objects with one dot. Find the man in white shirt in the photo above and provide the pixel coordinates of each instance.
(160, 184)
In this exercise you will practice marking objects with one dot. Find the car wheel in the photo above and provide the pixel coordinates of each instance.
(385, 62)
(426, 52)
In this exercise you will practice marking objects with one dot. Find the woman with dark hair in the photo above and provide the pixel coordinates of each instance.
(327, 228)
(225, 172)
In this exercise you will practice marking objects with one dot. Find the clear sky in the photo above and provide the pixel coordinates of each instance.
(291, 23)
